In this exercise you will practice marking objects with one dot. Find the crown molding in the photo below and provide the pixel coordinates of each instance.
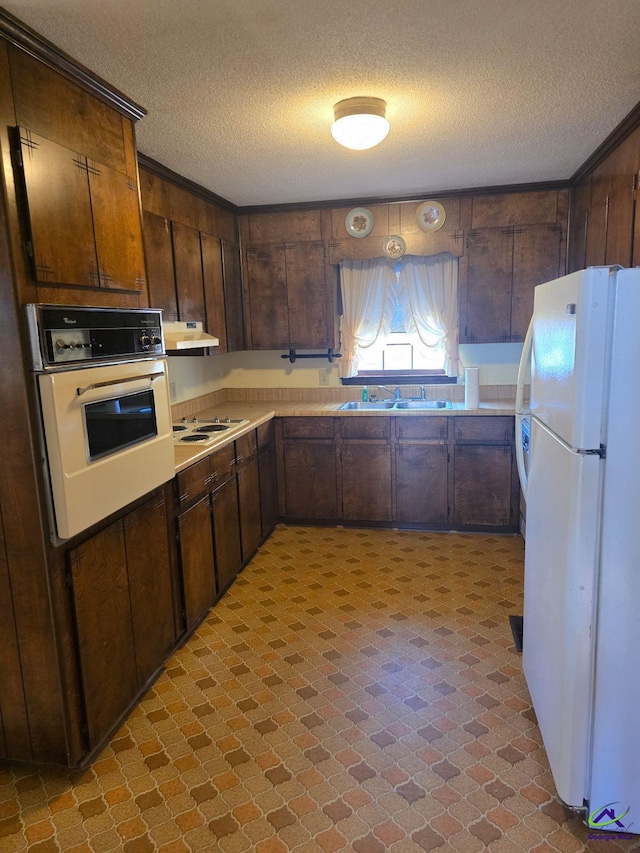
(32, 42)
(167, 174)
(415, 197)
(628, 124)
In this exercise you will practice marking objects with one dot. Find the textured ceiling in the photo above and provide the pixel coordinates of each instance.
(240, 93)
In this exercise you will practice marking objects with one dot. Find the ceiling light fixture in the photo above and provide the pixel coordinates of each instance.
(360, 122)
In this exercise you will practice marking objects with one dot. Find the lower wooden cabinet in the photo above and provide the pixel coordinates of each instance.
(267, 472)
(197, 560)
(433, 472)
(120, 579)
(226, 532)
(422, 477)
(150, 591)
(482, 485)
(366, 481)
(309, 480)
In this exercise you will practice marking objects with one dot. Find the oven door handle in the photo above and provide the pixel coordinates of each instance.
(150, 376)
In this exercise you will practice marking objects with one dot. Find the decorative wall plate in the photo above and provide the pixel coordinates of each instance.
(359, 222)
(394, 247)
(430, 216)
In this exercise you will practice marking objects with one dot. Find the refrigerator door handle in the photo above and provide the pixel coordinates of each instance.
(525, 363)
(521, 412)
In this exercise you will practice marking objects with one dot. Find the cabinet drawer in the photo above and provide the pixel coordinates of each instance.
(481, 429)
(221, 464)
(427, 427)
(366, 427)
(307, 427)
(266, 434)
(193, 481)
(246, 447)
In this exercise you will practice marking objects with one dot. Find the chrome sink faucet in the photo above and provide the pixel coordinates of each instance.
(395, 394)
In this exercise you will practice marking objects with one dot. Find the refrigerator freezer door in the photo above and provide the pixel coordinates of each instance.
(615, 773)
(569, 366)
(561, 561)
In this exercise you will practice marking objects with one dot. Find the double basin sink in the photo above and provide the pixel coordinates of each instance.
(396, 405)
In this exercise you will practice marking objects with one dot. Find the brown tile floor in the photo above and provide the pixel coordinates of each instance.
(355, 690)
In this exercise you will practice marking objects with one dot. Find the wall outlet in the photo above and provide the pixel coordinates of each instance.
(172, 391)
(324, 376)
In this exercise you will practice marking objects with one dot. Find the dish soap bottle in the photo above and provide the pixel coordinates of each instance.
(365, 394)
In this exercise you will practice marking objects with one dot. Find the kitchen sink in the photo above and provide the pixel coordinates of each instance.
(398, 405)
(357, 405)
(422, 404)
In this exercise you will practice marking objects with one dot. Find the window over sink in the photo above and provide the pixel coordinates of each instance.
(399, 320)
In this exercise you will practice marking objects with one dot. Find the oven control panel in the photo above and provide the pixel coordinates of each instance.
(69, 336)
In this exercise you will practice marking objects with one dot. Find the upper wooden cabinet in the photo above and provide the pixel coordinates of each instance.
(504, 265)
(603, 211)
(77, 234)
(84, 218)
(192, 260)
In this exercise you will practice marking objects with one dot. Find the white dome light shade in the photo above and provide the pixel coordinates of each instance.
(360, 122)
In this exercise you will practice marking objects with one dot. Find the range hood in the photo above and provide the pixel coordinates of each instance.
(187, 335)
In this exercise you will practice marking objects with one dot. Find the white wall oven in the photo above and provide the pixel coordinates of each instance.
(103, 390)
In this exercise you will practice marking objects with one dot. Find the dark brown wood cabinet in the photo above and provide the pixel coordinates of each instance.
(248, 493)
(485, 481)
(234, 310)
(399, 470)
(105, 629)
(62, 245)
(267, 470)
(84, 218)
(288, 294)
(422, 471)
(366, 481)
(123, 606)
(159, 259)
(365, 462)
(213, 279)
(197, 560)
(226, 527)
(196, 274)
(148, 561)
(504, 267)
(188, 270)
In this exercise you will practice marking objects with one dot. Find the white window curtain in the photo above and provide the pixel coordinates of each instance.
(367, 307)
(428, 293)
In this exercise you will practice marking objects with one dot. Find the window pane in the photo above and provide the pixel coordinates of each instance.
(398, 357)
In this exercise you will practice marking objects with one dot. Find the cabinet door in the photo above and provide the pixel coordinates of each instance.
(57, 186)
(488, 308)
(249, 501)
(232, 276)
(188, 267)
(149, 565)
(118, 233)
(159, 257)
(310, 482)
(105, 631)
(421, 483)
(226, 526)
(196, 555)
(214, 288)
(483, 485)
(268, 489)
(577, 242)
(366, 481)
(307, 295)
(596, 235)
(536, 259)
(620, 225)
(267, 290)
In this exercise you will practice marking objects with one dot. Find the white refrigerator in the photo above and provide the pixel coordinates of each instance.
(581, 644)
